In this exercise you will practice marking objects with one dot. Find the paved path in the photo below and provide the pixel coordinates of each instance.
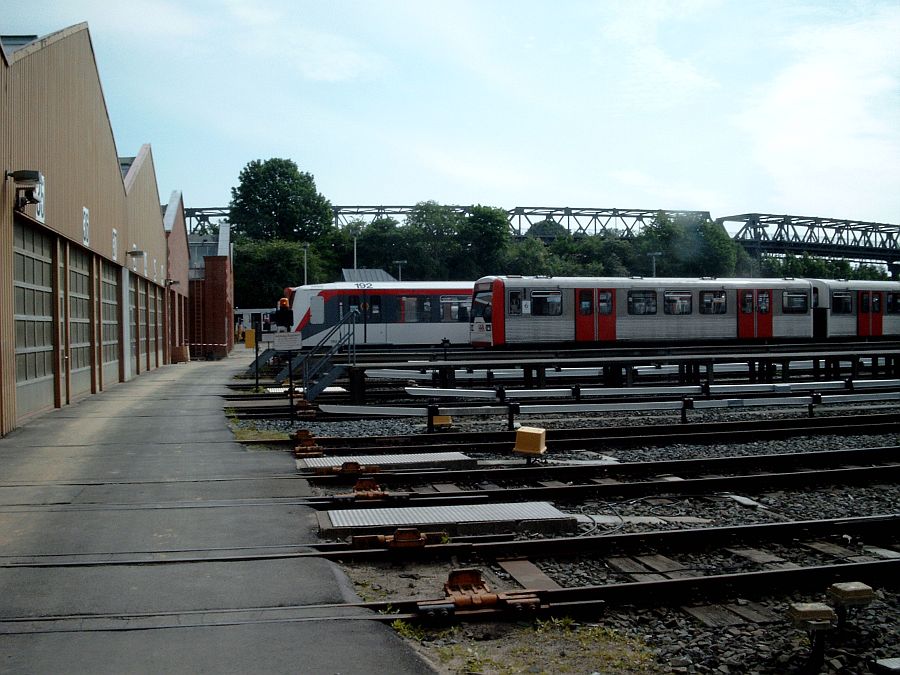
(145, 471)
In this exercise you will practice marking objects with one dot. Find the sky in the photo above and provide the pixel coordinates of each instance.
(726, 106)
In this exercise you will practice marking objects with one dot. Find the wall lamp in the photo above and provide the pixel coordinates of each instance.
(26, 181)
(172, 282)
(136, 252)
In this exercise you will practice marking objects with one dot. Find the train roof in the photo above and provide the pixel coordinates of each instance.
(645, 282)
(388, 285)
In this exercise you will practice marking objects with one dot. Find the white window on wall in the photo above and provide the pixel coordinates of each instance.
(85, 226)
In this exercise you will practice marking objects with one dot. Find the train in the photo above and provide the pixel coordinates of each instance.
(582, 311)
(390, 313)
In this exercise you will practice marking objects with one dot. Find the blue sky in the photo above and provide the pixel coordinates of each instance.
(725, 106)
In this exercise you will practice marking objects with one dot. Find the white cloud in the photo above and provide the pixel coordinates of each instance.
(825, 128)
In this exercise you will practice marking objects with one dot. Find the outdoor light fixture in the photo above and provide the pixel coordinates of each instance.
(27, 182)
(399, 264)
(172, 282)
(136, 252)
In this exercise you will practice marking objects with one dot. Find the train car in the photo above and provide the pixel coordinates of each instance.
(845, 309)
(511, 310)
(396, 313)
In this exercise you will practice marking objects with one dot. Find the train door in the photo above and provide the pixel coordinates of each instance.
(595, 315)
(870, 315)
(754, 313)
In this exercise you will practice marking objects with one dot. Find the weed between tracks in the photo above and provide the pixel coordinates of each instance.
(553, 646)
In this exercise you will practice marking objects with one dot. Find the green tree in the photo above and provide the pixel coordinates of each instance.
(528, 256)
(483, 238)
(263, 269)
(547, 230)
(431, 240)
(275, 200)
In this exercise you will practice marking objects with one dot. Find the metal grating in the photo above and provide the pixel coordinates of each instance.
(413, 459)
(433, 515)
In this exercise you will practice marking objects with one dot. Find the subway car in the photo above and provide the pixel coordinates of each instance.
(396, 313)
(518, 310)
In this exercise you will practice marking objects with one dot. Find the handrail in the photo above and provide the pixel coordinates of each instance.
(348, 322)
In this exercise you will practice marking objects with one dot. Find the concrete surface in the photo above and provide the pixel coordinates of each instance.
(149, 469)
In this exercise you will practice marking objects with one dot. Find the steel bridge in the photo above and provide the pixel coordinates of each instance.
(758, 233)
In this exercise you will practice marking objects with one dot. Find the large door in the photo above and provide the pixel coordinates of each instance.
(595, 315)
(870, 315)
(754, 313)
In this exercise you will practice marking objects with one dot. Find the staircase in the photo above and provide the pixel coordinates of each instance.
(318, 371)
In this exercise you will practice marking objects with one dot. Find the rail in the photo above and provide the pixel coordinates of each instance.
(345, 330)
(512, 409)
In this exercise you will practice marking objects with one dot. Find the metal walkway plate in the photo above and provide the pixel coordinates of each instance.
(469, 519)
(456, 460)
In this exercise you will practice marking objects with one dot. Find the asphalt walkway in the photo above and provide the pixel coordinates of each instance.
(97, 500)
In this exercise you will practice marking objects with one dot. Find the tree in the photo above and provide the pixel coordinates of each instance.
(263, 269)
(275, 200)
(547, 230)
(483, 238)
(431, 240)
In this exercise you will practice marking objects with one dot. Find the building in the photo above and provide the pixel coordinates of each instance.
(93, 272)
(211, 298)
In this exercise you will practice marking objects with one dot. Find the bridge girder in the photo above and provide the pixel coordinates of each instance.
(758, 233)
(828, 237)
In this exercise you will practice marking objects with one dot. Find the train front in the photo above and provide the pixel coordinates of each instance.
(486, 323)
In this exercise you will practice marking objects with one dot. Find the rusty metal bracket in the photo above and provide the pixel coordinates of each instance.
(466, 591)
(403, 538)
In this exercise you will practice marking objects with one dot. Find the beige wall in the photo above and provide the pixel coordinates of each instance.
(54, 120)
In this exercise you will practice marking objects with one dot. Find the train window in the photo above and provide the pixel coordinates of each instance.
(515, 303)
(642, 302)
(842, 302)
(481, 305)
(714, 302)
(375, 306)
(454, 308)
(892, 306)
(762, 302)
(864, 303)
(585, 302)
(604, 302)
(876, 303)
(794, 302)
(546, 303)
(746, 302)
(677, 302)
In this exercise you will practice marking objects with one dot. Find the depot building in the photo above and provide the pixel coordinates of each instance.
(94, 271)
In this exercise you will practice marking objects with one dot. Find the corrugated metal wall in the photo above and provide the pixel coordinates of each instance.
(55, 121)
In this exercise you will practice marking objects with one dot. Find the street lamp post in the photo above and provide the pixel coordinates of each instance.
(305, 260)
(653, 255)
(399, 264)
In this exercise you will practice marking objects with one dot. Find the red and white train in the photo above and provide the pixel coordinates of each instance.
(396, 312)
(513, 310)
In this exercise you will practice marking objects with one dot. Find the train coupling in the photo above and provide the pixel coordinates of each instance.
(466, 591)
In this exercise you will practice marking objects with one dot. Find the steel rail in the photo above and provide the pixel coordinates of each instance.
(534, 472)
(371, 443)
(652, 437)
(689, 486)
(584, 599)
(496, 547)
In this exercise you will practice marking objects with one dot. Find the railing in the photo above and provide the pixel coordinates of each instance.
(346, 336)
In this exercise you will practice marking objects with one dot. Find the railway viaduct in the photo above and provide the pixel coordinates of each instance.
(758, 233)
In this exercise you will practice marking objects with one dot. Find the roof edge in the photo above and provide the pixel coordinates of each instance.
(42, 42)
(135, 167)
(176, 202)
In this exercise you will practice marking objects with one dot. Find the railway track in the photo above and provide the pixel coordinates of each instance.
(587, 438)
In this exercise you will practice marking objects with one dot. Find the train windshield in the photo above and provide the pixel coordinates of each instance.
(481, 305)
